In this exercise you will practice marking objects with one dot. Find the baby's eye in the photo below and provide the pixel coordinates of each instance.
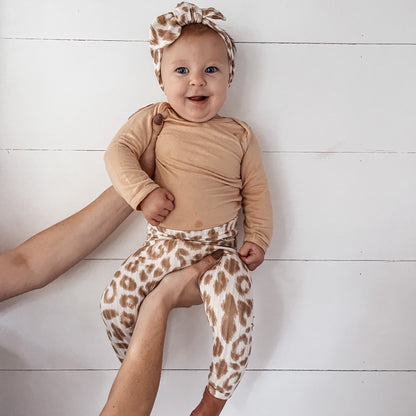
(182, 70)
(211, 69)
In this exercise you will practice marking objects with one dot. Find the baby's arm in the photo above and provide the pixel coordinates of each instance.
(147, 159)
(130, 161)
(158, 204)
(256, 203)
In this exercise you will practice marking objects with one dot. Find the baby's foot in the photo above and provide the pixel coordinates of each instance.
(209, 405)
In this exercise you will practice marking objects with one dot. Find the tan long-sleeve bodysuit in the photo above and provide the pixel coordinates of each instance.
(213, 169)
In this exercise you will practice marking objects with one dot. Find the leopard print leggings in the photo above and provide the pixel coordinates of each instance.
(225, 291)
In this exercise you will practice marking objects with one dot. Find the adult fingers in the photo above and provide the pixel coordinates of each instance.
(207, 262)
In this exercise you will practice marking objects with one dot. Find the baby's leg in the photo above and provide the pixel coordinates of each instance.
(135, 279)
(226, 293)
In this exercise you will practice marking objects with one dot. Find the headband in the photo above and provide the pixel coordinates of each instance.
(166, 28)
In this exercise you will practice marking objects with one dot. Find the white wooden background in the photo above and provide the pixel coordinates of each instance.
(329, 87)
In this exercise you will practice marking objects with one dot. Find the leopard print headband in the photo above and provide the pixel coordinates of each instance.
(166, 28)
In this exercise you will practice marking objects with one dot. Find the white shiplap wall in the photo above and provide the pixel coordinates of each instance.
(329, 88)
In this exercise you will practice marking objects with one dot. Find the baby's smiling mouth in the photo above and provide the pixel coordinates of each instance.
(198, 98)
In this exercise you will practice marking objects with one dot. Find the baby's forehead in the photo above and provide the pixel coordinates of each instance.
(205, 42)
(198, 35)
(196, 29)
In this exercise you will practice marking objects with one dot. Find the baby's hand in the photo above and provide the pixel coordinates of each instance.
(157, 205)
(251, 254)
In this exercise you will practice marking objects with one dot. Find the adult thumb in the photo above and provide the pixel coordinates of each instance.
(207, 262)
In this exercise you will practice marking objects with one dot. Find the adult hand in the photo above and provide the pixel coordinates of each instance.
(181, 288)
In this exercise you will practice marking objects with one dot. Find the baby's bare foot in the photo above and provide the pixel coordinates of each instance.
(209, 405)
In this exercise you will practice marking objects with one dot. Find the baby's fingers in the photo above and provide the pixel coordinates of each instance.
(153, 222)
(252, 264)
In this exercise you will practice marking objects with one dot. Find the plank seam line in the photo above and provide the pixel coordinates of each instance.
(270, 370)
(51, 150)
(352, 152)
(237, 42)
(346, 260)
(294, 260)
(307, 152)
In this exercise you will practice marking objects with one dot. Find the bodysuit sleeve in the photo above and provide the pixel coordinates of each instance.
(123, 154)
(256, 201)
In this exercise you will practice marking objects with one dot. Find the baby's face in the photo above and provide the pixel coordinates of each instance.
(195, 75)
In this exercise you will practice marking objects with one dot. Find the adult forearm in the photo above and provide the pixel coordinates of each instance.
(45, 256)
(136, 385)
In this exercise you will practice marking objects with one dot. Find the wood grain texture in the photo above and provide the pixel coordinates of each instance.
(309, 316)
(289, 393)
(309, 98)
(284, 21)
(326, 206)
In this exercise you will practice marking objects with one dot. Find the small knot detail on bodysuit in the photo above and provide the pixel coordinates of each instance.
(157, 119)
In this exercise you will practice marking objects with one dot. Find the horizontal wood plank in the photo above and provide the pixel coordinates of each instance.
(287, 393)
(309, 316)
(326, 206)
(294, 21)
(309, 98)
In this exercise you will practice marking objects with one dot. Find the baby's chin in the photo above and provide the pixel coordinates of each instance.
(196, 110)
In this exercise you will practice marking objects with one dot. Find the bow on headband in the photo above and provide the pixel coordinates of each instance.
(166, 28)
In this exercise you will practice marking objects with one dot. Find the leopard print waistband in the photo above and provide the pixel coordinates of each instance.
(224, 235)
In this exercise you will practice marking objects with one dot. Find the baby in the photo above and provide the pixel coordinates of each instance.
(207, 167)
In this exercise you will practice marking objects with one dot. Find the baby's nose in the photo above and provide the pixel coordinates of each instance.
(197, 80)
